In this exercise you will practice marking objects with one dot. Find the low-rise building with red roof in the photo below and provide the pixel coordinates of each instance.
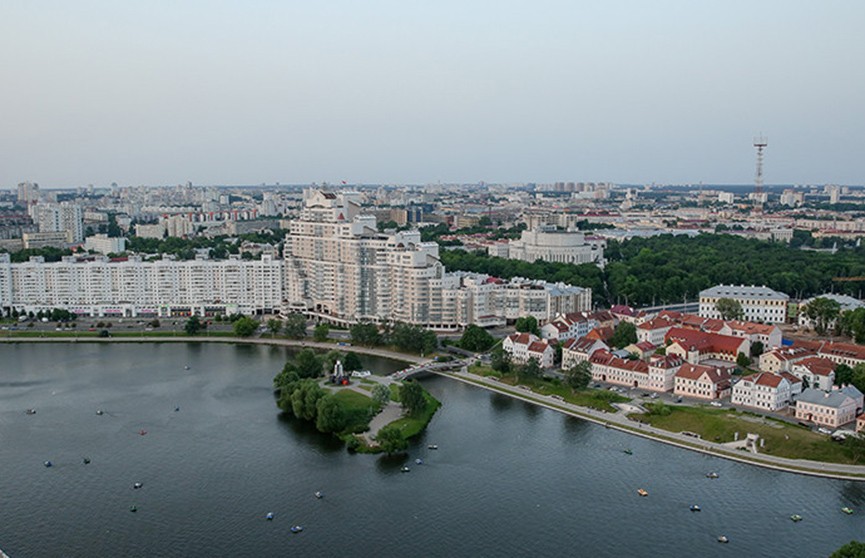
(765, 391)
(702, 382)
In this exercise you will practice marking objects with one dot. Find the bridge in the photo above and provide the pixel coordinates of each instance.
(430, 367)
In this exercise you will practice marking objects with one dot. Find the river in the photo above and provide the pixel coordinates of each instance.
(508, 479)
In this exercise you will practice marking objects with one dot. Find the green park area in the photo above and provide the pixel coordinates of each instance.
(782, 439)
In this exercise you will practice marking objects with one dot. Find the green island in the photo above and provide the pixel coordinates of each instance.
(371, 414)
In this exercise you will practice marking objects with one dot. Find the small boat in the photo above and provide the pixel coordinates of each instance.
(100, 412)
(137, 485)
(404, 469)
(296, 529)
(432, 447)
(642, 492)
(87, 461)
(695, 508)
(48, 464)
(30, 412)
(723, 539)
(186, 367)
(269, 516)
(712, 475)
(845, 509)
(628, 451)
(795, 517)
(319, 494)
(133, 509)
(418, 461)
(142, 432)
(177, 409)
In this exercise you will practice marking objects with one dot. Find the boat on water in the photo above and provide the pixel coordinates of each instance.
(142, 432)
(186, 367)
(269, 516)
(177, 409)
(137, 485)
(404, 469)
(723, 539)
(848, 511)
(795, 517)
(712, 475)
(100, 412)
(628, 452)
(296, 529)
(319, 494)
(30, 412)
(87, 461)
(133, 509)
(432, 447)
(48, 464)
(418, 461)
(642, 492)
(695, 508)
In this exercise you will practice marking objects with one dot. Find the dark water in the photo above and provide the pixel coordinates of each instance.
(509, 479)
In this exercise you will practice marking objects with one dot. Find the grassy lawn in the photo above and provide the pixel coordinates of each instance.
(358, 408)
(593, 398)
(413, 425)
(782, 439)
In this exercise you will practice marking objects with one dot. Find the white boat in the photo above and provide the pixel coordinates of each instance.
(319, 494)
(404, 469)
(723, 539)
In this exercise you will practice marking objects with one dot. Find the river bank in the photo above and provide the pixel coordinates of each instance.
(619, 421)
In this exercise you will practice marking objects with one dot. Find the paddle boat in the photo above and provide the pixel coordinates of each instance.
(847, 510)
(133, 509)
(186, 367)
(177, 409)
(100, 412)
(712, 475)
(432, 447)
(628, 452)
(723, 539)
(695, 508)
(418, 461)
(296, 529)
(319, 494)
(269, 516)
(137, 485)
(795, 517)
(142, 432)
(48, 464)
(642, 492)
(87, 461)
(404, 469)
(30, 412)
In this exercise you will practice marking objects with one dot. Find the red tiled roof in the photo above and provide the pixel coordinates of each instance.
(521, 338)
(791, 378)
(818, 365)
(705, 342)
(696, 371)
(538, 347)
(601, 333)
(843, 350)
(768, 379)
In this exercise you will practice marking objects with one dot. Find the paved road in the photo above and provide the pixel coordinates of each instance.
(620, 422)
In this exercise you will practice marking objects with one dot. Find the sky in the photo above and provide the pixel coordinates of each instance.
(409, 91)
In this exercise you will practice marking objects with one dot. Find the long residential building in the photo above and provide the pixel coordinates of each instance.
(759, 304)
(133, 287)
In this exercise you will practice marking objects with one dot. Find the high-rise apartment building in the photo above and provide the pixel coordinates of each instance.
(63, 217)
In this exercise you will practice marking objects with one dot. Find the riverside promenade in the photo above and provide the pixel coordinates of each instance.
(619, 421)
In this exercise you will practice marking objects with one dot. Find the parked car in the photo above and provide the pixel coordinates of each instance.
(716, 404)
(823, 430)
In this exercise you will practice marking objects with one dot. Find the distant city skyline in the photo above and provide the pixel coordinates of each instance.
(388, 92)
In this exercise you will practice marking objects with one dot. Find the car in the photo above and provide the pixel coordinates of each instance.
(557, 397)
(679, 399)
(653, 396)
(716, 404)
(823, 430)
(644, 394)
(598, 386)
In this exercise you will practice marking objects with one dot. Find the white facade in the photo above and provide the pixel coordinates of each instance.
(550, 245)
(131, 288)
(64, 217)
(759, 304)
(765, 391)
(104, 244)
(847, 303)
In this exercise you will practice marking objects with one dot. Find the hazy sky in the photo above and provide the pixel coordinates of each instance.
(218, 92)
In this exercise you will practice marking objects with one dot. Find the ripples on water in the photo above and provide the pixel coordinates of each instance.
(509, 479)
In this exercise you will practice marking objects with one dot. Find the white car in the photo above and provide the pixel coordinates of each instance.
(822, 430)
(716, 404)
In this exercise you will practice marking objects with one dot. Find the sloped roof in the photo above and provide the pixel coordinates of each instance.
(705, 342)
(819, 366)
(696, 371)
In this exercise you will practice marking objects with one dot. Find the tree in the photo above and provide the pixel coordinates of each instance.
(579, 375)
(500, 360)
(154, 323)
(757, 349)
(245, 326)
(858, 377)
(274, 326)
(308, 364)
(852, 323)
(729, 309)
(295, 326)
(381, 395)
(365, 334)
(530, 370)
(321, 332)
(476, 339)
(352, 362)
(843, 375)
(329, 415)
(527, 324)
(743, 361)
(193, 326)
(412, 397)
(305, 398)
(624, 335)
(390, 440)
(822, 311)
(853, 549)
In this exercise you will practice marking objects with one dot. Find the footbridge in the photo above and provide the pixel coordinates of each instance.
(430, 367)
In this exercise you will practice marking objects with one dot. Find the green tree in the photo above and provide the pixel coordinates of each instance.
(530, 370)
(743, 361)
(381, 395)
(390, 440)
(274, 326)
(843, 375)
(295, 326)
(365, 334)
(245, 326)
(476, 339)
(579, 375)
(729, 309)
(193, 326)
(412, 397)
(329, 415)
(625, 334)
(500, 360)
(853, 549)
(305, 398)
(308, 364)
(352, 362)
(527, 324)
(822, 311)
(757, 349)
(321, 332)
(858, 377)
(852, 323)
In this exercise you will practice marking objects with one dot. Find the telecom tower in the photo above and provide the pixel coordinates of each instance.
(760, 144)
